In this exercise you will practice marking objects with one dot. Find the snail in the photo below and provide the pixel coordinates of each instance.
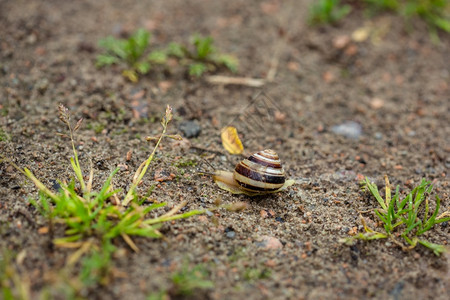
(260, 174)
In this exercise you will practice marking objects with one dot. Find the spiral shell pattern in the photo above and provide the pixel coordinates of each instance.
(260, 172)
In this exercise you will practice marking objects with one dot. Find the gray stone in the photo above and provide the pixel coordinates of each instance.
(349, 129)
(190, 129)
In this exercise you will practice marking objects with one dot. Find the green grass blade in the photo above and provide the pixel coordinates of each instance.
(157, 57)
(382, 216)
(175, 217)
(203, 46)
(138, 43)
(154, 206)
(106, 60)
(374, 191)
(77, 169)
(114, 46)
(442, 220)
(40, 185)
(411, 226)
(104, 192)
(150, 232)
(68, 239)
(437, 249)
(177, 50)
(197, 69)
(432, 220)
(442, 23)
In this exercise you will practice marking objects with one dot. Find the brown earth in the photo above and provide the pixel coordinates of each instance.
(395, 84)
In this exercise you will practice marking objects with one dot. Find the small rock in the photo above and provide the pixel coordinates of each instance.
(163, 175)
(55, 185)
(279, 219)
(31, 39)
(376, 103)
(190, 129)
(378, 135)
(123, 167)
(42, 86)
(349, 129)
(341, 41)
(360, 177)
(269, 242)
(263, 213)
(231, 234)
(328, 76)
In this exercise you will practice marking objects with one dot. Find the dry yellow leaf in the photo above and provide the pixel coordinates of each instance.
(361, 34)
(231, 141)
(130, 75)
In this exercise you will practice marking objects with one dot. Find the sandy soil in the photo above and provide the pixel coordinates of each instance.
(395, 84)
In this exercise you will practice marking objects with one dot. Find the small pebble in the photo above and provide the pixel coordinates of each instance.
(42, 86)
(349, 129)
(376, 103)
(55, 185)
(378, 135)
(279, 219)
(190, 129)
(269, 242)
(231, 234)
(163, 175)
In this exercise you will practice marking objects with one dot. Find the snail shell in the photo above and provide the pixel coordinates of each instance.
(260, 174)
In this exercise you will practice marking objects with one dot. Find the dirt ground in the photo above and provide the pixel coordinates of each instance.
(395, 84)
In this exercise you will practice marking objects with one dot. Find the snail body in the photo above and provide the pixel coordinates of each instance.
(259, 174)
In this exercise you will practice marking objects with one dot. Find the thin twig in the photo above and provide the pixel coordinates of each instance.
(247, 81)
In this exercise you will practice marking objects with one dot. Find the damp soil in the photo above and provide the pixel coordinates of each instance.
(394, 85)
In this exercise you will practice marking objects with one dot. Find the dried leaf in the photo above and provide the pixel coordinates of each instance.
(361, 34)
(129, 155)
(231, 141)
(130, 242)
(130, 75)
(62, 135)
(78, 124)
(176, 137)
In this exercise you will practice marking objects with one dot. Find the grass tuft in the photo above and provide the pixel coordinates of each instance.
(12, 285)
(327, 12)
(93, 219)
(127, 51)
(408, 218)
(199, 57)
(189, 280)
(436, 13)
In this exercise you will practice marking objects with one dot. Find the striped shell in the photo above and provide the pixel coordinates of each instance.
(260, 173)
